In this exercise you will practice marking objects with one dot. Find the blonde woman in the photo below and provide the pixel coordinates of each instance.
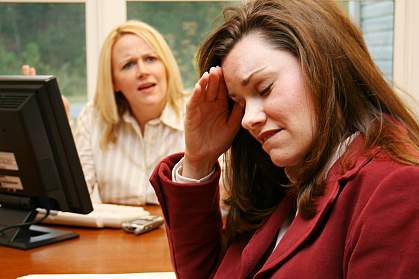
(136, 117)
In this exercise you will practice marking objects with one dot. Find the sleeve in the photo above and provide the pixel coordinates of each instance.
(193, 220)
(177, 177)
(83, 139)
(385, 241)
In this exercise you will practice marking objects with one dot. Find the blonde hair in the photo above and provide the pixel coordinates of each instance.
(106, 101)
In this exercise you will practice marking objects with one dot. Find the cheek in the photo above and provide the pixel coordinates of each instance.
(160, 71)
(122, 80)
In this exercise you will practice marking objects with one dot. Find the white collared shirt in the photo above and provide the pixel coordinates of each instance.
(121, 172)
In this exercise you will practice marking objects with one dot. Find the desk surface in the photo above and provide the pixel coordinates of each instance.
(95, 251)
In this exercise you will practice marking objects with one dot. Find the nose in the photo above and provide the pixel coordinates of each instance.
(254, 115)
(142, 69)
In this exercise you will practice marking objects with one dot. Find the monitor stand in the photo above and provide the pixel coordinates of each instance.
(28, 237)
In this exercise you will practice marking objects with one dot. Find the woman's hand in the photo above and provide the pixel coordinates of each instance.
(210, 126)
(28, 70)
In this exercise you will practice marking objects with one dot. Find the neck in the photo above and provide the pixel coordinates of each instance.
(143, 114)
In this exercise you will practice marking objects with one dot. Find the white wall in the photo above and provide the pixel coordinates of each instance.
(406, 50)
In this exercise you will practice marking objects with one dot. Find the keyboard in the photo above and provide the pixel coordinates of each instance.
(103, 215)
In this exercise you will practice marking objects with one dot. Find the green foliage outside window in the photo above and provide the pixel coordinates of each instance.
(184, 25)
(50, 37)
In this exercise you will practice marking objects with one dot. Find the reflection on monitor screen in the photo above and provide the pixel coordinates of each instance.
(39, 164)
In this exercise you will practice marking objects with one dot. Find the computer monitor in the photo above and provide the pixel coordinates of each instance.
(39, 164)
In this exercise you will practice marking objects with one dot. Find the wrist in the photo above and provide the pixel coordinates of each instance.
(196, 169)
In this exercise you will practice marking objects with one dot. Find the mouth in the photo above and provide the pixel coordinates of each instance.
(264, 136)
(145, 86)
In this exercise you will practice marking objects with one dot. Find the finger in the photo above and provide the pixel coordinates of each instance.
(197, 92)
(222, 90)
(213, 84)
(203, 81)
(195, 98)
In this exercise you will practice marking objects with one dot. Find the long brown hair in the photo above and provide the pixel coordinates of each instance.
(349, 92)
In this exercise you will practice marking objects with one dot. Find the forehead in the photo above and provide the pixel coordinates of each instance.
(250, 54)
(130, 42)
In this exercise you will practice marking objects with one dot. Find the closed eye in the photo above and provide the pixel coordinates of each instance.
(266, 91)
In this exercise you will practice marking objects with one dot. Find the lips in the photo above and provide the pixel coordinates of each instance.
(146, 85)
(264, 136)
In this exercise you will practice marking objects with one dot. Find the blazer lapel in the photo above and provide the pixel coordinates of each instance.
(300, 229)
(260, 242)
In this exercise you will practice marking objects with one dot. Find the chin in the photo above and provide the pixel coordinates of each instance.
(283, 161)
(151, 100)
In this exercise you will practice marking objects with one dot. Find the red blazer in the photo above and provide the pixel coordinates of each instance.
(367, 226)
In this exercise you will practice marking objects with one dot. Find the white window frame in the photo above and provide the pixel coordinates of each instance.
(406, 46)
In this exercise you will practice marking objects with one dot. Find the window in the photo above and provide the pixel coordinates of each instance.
(48, 36)
(184, 24)
(63, 37)
(375, 18)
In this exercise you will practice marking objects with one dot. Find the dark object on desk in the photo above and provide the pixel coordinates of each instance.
(143, 224)
(39, 164)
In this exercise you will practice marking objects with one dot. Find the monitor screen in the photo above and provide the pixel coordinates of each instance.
(39, 164)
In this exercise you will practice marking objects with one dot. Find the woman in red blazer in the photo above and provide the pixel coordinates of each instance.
(322, 157)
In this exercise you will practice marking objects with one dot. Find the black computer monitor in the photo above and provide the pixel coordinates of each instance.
(39, 164)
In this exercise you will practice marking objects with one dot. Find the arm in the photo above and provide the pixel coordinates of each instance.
(193, 221)
(191, 211)
(385, 239)
(83, 139)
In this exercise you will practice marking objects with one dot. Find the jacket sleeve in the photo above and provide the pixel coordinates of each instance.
(385, 239)
(193, 220)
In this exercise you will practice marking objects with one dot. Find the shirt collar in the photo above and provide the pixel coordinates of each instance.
(340, 150)
(168, 117)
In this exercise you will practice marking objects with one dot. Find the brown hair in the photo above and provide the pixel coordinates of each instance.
(349, 92)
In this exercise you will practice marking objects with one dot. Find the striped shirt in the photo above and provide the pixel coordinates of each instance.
(120, 173)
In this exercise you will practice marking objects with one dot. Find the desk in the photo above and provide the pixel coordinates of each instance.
(95, 251)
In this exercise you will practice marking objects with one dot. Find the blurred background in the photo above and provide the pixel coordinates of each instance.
(63, 38)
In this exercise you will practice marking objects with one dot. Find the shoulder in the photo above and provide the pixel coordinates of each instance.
(382, 171)
(382, 190)
(89, 111)
(89, 117)
(378, 183)
(382, 200)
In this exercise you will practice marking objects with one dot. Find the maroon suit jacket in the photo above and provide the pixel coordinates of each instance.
(367, 226)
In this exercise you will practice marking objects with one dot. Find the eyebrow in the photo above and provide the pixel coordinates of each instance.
(245, 80)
